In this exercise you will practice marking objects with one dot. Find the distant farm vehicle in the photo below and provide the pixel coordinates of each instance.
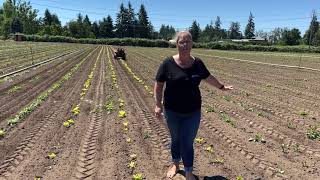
(120, 54)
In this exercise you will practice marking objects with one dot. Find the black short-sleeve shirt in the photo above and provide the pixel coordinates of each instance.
(182, 93)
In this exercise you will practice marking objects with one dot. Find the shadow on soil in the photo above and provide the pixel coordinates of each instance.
(204, 177)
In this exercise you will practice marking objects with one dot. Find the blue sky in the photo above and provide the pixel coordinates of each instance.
(180, 13)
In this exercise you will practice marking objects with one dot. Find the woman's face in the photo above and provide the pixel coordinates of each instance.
(184, 43)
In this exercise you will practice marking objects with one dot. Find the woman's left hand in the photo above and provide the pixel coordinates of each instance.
(227, 88)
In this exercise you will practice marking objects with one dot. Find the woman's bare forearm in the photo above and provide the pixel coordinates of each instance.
(158, 89)
(214, 82)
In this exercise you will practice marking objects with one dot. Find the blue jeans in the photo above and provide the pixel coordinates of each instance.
(183, 128)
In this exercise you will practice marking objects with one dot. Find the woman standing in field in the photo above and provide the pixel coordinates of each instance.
(182, 74)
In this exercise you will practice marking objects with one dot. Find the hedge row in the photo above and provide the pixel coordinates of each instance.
(110, 41)
(241, 47)
(163, 43)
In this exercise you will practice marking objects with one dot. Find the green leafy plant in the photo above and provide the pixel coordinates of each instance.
(258, 138)
(6, 79)
(13, 89)
(227, 98)
(226, 118)
(285, 148)
(210, 109)
(303, 113)
(290, 125)
(146, 135)
(109, 106)
(259, 114)
(313, 132)
(296, 148)
(250, 109)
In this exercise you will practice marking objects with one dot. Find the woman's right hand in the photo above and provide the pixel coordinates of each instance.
(158, 111)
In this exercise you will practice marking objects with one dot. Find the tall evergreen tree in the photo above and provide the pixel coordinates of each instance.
(195, 30)
(86, 20)
(95, 29)
(80, 30)
(55, 20)
(250, 28)
(16, 25)
(132, 21)
(166, 32)
(317, 39)
(73, 28)
(47, 20)
(206, 34)
(218, 33)
(234, 31)
(217, 23)
(309, 36)
(122, 22)
(106, 28)
(51, 24)
(86, 26)
(144, 26)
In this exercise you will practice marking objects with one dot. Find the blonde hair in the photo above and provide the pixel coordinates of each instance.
(179, 34)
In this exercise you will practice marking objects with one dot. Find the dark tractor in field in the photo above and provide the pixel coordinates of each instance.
(119, 54)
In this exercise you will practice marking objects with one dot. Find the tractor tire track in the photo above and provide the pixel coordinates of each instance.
(87, 161)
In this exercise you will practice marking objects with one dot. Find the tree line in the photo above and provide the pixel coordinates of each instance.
(20, 17)
(278, 36)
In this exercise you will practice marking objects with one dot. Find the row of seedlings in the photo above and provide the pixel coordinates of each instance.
(122, 115)
(137, 78)
(75, 111)
(27, 110)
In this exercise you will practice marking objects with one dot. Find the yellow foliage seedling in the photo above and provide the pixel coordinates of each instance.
(122, 114)
(120, 100)
(52, 155)
(2, 133)
(126, 123)
(132, 165)
(66, 124)
(199, 140)
(137, 176)
(76, 110)
(218, 161)
(37, 178)
(70, 121)
(129, 140)
(209, 149)
(239, 178)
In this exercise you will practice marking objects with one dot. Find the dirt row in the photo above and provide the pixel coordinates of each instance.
(31, 87)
